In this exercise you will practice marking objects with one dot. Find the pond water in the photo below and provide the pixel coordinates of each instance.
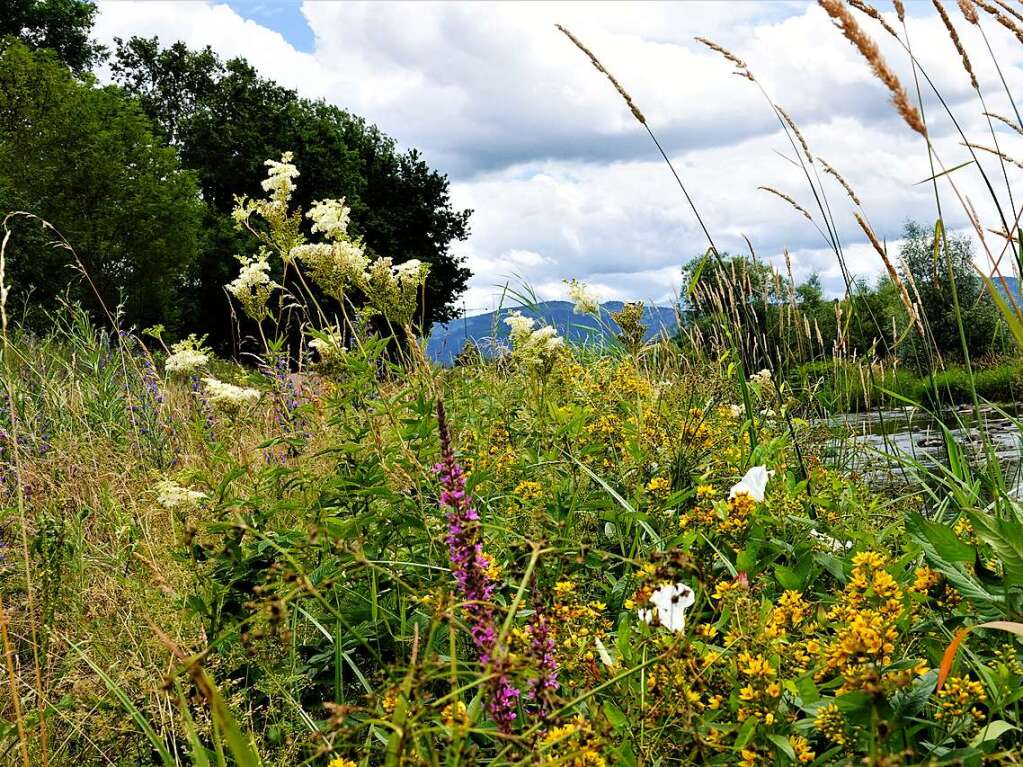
(878, 445)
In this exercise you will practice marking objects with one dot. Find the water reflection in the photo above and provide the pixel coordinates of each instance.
(873, 443)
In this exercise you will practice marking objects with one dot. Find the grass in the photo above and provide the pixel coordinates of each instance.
(617, 555)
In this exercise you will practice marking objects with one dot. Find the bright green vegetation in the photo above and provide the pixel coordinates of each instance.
(328, 551)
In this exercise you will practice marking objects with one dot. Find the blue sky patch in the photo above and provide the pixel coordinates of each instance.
(283, 16)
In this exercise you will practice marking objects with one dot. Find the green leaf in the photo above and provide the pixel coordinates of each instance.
(615, 716)
(992, 731)
(941, 537)
(783, 745)
(1006, 538)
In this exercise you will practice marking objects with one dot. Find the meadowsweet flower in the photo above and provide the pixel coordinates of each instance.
(753, 484)
(585, 300)
(171, 495)
(670, 603)
(520, 327)
(394, 290)
(330, 350)
(228, 397)
(763, 378)
(280, 177)
(412, 270)
(187, 357)
(252, 286)
(330, 217)
(335, 266)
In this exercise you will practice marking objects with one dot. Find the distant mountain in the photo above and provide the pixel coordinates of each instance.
(1012, 283)
(489, 332)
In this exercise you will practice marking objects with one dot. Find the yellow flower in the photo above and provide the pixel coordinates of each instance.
(658, 485)
(339, 762)
(561, 588)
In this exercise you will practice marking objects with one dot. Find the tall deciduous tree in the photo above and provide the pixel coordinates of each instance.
(226, 120)
(63, 26)
(86, 159)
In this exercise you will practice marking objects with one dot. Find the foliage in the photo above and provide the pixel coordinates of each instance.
(87, 161)
(224, 117)
(62, 26)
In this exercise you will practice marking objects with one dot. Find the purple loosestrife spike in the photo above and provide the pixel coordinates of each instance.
(542, 648)
(470, 567)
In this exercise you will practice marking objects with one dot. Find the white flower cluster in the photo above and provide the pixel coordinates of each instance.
(763, 378)
(330, 217)
(228, 397)
(171, 495)
(830, 543)
(279, 180)
(187, 357)
(670, 603)
(334, 266)
(252, 286)
(585, 300)
(536, 348)
(393, 290)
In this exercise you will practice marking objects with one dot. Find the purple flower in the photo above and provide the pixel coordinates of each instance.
(542, 647)
(470, 567)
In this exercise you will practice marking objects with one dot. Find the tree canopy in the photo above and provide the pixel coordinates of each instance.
(62, 26)
(86, 160)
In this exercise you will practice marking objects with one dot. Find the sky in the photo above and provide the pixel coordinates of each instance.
(565, 183)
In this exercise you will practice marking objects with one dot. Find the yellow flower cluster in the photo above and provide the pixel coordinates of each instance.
(577, 624)
(574, 744)
(960, 698)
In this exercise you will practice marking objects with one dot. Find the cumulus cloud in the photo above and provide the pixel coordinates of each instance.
(565, 183)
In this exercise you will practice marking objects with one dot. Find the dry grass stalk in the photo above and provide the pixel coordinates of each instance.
(875, 14)
(969, 11)
(795, 129)
(838, 177)
(1011, 123)
(1001, 18)
(900, 10)
(787, 199)
(892, 271)
(995, 152)
(956, 41)
(740, 65)
(600, 68)
(1009, 9)
(868, 48)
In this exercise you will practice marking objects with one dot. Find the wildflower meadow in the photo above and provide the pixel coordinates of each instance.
(319, 546)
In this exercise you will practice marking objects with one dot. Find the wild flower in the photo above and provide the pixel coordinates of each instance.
(339, 762)
(171, 495)
(335, 266)
(520, 327)
(470, 567)
(280, 178)
(228, 397)
(762, 378)
(330, 217)
(830, 543)
(330, 349)
(585, 300)
(542, 649)
(253, 286)
(670, 603)
(753, 484)
(187, 357)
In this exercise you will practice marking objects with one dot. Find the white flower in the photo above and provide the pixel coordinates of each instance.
(670, 603)
(545, 339)
(330, 217)
(411, 271)
(228, 396)
(735, 410)
(753, 484)
(584, 299)
(279, 178)
(603, 654)
(186, 361)
(832, 544)
(520, 326)
(763, 377)
(171, 495)
(254, 274)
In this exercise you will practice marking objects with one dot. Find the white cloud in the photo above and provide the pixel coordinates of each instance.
(565, 183)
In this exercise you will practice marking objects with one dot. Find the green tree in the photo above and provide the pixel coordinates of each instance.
(226, 120)
(60, 25)
(932, 267)
(86, 160)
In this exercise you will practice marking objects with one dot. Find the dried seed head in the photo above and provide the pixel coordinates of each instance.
(787, 199)
(603, 70)
(969, 11)
(869, 50)
(956, 41)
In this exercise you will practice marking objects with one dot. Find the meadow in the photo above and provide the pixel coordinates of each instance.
(331, 551)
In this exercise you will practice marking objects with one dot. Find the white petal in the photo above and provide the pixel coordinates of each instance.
(754, 484)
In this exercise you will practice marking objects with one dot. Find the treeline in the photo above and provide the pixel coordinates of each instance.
(777, 323)
(140, 176)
